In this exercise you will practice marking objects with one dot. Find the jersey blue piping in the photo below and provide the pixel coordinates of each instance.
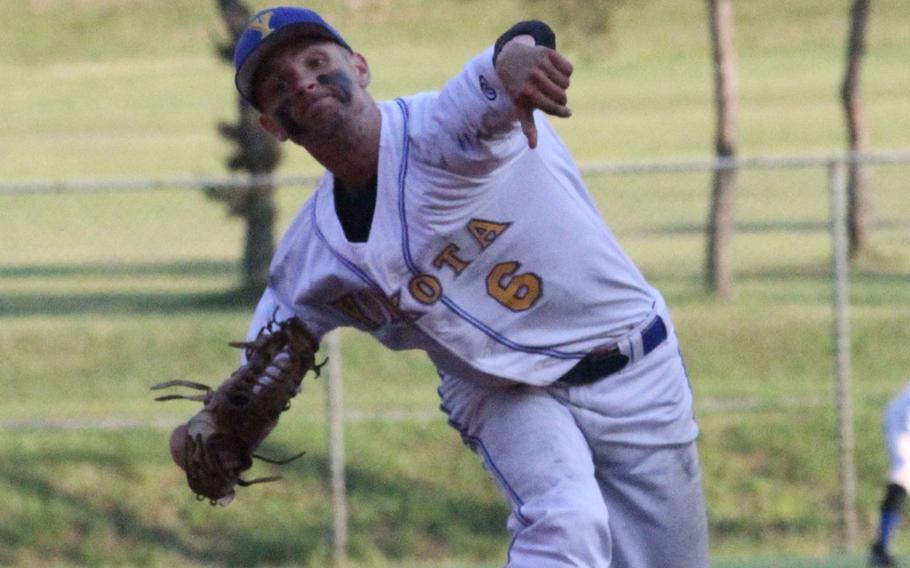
(448, 302)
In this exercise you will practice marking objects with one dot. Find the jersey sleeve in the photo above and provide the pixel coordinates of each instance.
(270, 308)
(473, 125)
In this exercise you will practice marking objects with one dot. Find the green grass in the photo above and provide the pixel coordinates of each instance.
(93, 311)
(103, 295)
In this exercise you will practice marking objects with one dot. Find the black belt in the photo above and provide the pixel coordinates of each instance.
(596, 366)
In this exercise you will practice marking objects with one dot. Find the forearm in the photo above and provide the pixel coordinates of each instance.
(534, 75)
(478, 112)
(271, 310)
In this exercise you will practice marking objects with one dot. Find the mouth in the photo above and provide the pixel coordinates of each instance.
(300, 118)
(299, 109)
(318, 107)
(318, 100)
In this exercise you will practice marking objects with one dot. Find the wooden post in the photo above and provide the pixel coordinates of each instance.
(840, 264)
(859, 201)
(335, 417)
(719, 263)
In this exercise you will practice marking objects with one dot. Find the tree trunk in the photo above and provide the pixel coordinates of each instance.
(260, 239)
(859, 207)
(720, 223)
(257, 154)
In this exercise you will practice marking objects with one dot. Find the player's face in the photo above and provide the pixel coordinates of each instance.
(309, 89)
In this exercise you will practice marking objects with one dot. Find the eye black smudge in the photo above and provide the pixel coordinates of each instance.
(290, 125)
(341, 82)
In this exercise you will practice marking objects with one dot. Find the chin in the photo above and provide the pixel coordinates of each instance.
(325, 125)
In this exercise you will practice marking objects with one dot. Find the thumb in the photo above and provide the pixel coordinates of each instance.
(526, 119)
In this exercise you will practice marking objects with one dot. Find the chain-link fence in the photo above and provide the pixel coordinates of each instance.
(795, 353)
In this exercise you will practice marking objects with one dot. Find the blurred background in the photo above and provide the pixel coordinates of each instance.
(131, 254)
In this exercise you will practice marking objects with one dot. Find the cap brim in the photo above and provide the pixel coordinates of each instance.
(247, 71)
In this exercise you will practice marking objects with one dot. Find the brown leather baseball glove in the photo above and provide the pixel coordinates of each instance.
(217, 444)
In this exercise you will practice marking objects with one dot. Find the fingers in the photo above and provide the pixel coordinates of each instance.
(557, 69)
(561, 64)
(536, 77)
(554, 82)
(545, 84)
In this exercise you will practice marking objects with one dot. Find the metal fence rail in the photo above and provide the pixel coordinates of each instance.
(96, 185)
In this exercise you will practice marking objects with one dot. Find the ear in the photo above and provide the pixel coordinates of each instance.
(363, 70)
(272, 128)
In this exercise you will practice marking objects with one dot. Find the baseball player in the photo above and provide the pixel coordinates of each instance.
(897, 440)
(456, 222)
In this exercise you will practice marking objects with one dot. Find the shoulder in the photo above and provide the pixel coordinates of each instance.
(411, 113)
(411, 124)
(420, 111)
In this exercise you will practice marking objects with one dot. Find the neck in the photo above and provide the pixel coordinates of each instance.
(353, 154)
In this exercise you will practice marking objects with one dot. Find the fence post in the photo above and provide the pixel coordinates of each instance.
(335, 417)
(840, 254)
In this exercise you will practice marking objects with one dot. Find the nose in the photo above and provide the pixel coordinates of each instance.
(304, 83)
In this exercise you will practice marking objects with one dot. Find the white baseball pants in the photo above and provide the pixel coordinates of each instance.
(577, 498)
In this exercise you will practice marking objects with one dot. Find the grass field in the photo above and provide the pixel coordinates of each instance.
(103, 295)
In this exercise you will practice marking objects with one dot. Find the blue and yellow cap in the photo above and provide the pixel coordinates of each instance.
(267, 29)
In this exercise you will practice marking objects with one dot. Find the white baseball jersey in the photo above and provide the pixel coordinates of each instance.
(897, 437)
(488, 255)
